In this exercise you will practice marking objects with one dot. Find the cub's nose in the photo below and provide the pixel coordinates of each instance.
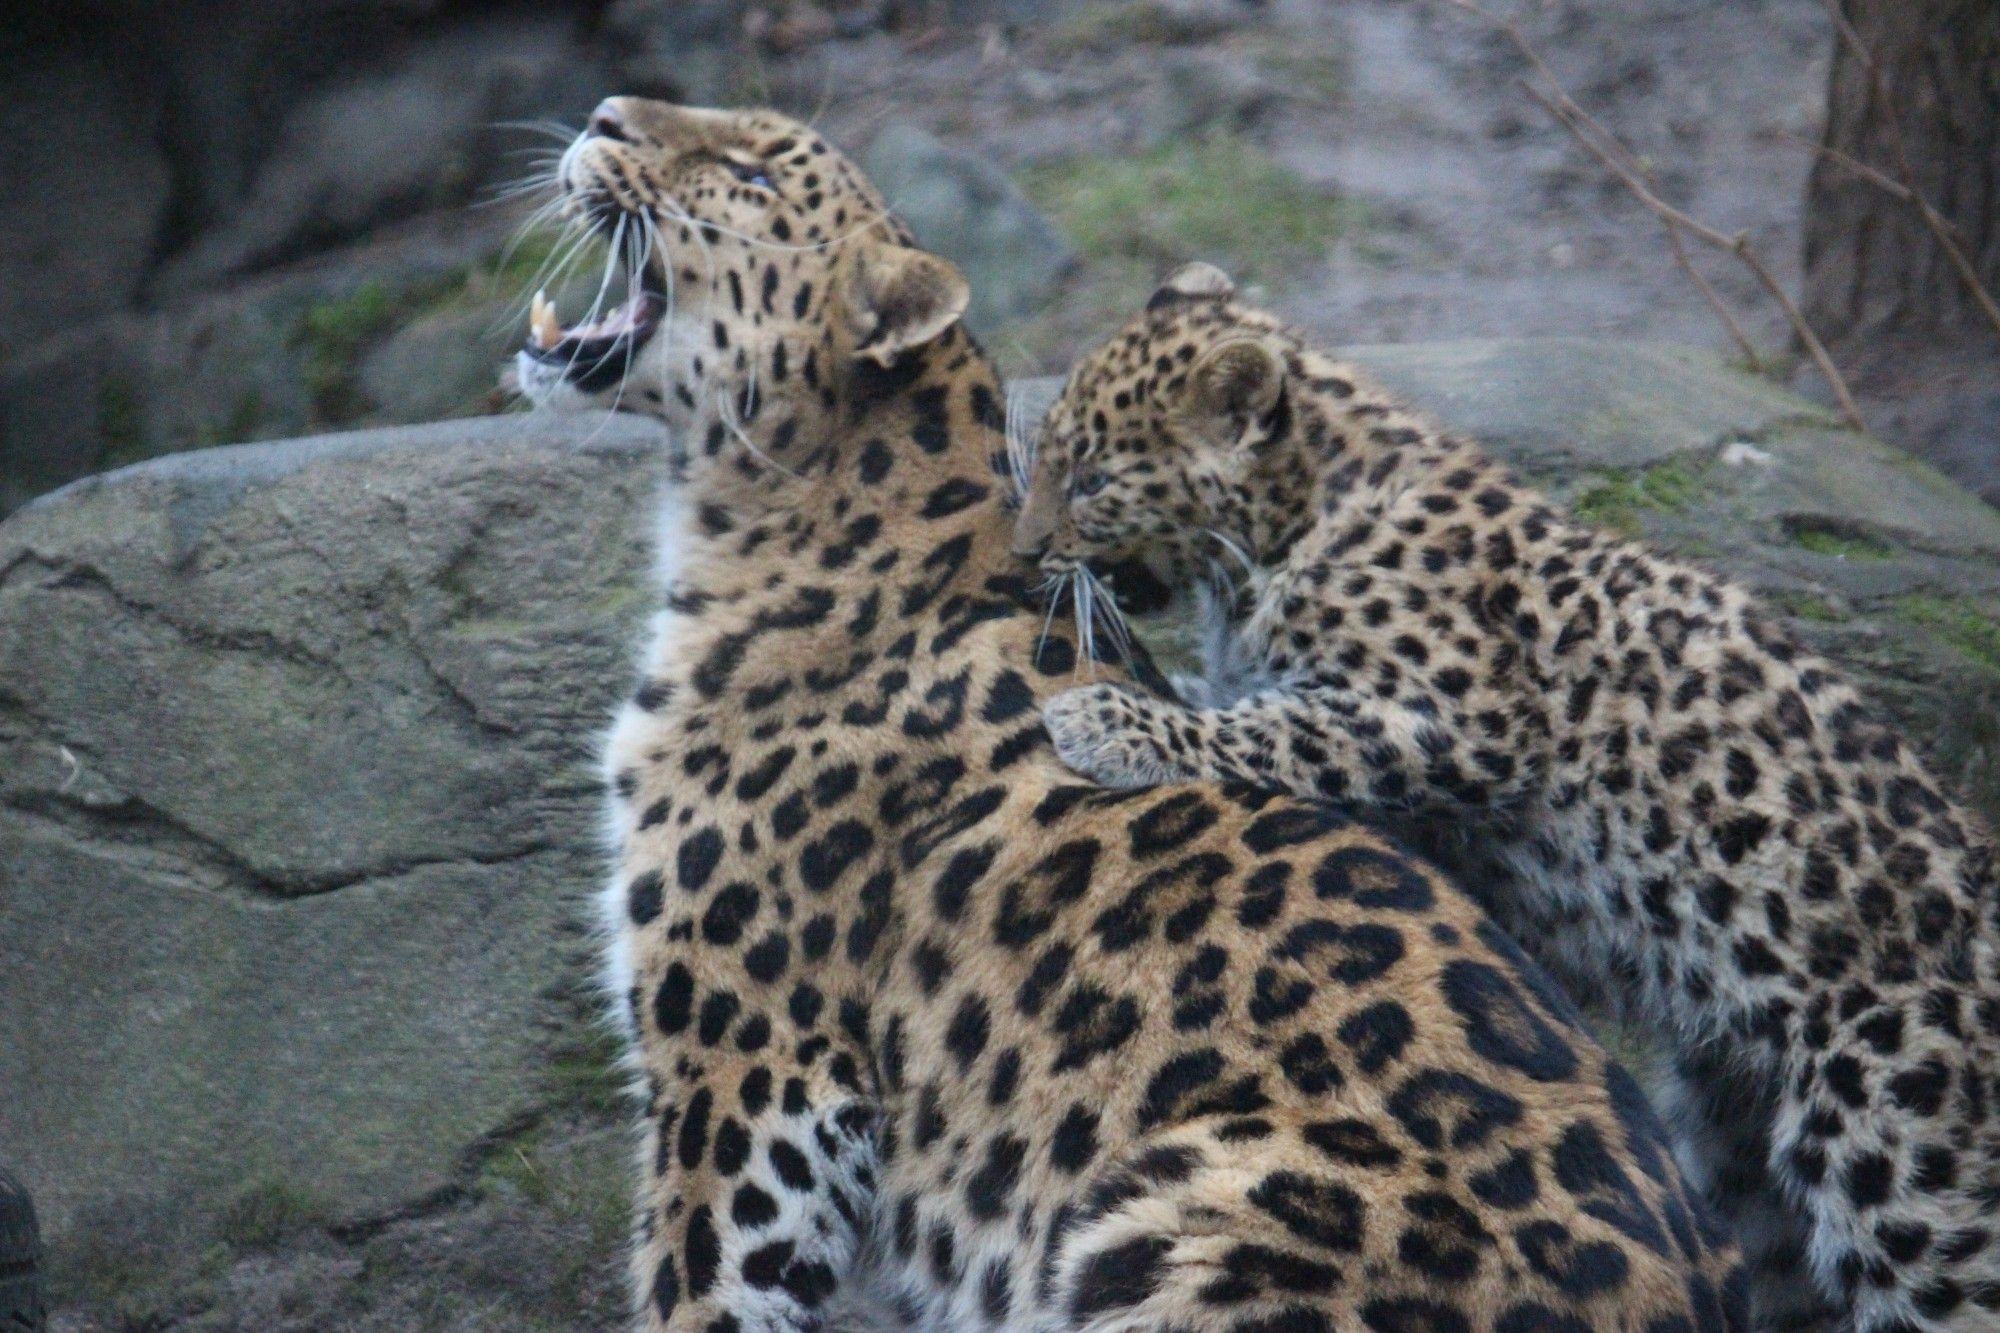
(607, 122)
(1029, 545)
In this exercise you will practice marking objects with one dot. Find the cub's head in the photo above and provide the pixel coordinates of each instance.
(755, 274)
(1156, 452)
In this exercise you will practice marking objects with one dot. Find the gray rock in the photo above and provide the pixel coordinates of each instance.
(80, 160)
(422, 134)
(967, 210)
(296, 808)
(297, 798)
(442, 363)
(412, 328)
(682, 50)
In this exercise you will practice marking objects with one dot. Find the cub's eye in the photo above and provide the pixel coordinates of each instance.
(1091, 482)
(750, 173)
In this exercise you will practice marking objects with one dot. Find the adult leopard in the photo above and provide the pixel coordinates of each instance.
(912, 1009)
(1700, 821)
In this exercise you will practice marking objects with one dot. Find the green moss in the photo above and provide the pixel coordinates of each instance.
(1220, 197)
(586, 1075)
(1809, 606)
(1841, 542)
(1964, 624)
(118, 423)
(518, 1167)
(266, 1212)
(1623, 497)
(333, 335)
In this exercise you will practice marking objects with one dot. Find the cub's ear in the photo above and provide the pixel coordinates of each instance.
(899, 298)
(1193, 282)
(1233, 386)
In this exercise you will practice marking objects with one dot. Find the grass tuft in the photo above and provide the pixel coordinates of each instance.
(267, 1212)
(1219, 197)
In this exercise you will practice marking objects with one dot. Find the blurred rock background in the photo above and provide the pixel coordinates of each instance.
(296, 788)
(244, 219)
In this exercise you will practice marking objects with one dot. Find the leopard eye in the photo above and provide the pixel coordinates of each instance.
(750, 173)
(1091, 482)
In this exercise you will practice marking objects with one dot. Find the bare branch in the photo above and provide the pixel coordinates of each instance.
(1578, 122)
(1714, 298)
(1887, 184)
(1623, 164)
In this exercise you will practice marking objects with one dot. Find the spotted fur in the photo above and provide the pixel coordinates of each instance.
(1699, 820)
(919, 1015)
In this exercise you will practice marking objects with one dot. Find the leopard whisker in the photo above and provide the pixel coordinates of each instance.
(1054, 586)
(1106, 606)
(553, 129)
(1083, 603)
(1230, 545)
(1021, 444)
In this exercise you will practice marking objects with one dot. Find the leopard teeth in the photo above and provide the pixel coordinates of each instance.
(543, 325)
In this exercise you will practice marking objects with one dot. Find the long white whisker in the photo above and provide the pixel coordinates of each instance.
(554, 129)
(1229, 544)
(1020, 448)
(1054, 584)
(1114, 618)
(634, 256)
(1086, 632)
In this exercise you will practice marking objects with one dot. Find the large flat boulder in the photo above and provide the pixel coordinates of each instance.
(298, 803)
(297, 807)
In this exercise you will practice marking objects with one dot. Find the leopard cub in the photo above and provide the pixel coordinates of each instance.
(1693, 817)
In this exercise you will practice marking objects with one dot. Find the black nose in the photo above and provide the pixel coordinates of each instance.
(606, 122)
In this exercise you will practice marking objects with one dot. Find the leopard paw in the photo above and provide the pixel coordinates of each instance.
(1100, 732)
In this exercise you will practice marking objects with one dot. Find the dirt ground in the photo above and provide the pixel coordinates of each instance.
(1470, 214)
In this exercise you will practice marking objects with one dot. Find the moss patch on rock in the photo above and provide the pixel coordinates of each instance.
(1623, 497)
(1960, 622)
(1842, 541)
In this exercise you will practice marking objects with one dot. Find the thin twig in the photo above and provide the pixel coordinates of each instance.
(1607, 148)
(1714, 298)
(1906, 189)
(1890, 186)
(1581, 127)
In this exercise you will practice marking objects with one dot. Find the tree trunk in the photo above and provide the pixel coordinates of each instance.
(1872, 266)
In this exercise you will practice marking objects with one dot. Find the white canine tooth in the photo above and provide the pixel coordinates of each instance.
(542, 322)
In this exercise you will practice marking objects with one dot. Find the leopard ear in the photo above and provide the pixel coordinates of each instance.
(1193, 282)
(899, 298)
(1232, 387)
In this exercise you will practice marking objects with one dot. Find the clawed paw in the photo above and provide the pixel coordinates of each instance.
(1099, 732)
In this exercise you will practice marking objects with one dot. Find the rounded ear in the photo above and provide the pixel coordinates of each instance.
(1193, 282)
(899, 298)
(1234, 384)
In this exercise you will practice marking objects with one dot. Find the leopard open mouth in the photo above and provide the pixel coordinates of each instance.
(596, 355)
